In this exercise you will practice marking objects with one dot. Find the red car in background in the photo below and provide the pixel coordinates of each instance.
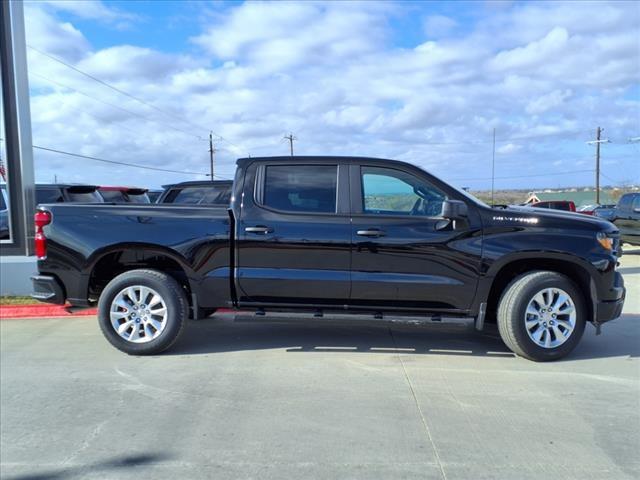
(124, 194)
(566, 205)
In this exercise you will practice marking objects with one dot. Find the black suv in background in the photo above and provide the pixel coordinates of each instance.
(205, 192)
(626, 217)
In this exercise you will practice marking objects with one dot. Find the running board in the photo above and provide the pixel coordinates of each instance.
(357, 317)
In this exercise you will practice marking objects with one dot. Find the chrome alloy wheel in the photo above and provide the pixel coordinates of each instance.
(138, 314)
(550, 317)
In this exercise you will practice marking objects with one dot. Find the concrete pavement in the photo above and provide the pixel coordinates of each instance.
(279, 400)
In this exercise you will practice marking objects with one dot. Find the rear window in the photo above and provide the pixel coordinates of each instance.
(200, 195)
(85, 197)
(112, 196)
(301, 188)
(48, 195)
(118, 196)
(138, 198)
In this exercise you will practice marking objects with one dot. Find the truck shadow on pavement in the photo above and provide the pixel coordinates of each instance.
(222, 334)
(110, 468)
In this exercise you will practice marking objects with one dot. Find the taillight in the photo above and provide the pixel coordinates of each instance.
(41, 219)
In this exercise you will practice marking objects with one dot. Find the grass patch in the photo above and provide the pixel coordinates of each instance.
(17, 301)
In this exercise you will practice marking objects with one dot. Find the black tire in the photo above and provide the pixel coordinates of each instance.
(173, 295)
(511, 315)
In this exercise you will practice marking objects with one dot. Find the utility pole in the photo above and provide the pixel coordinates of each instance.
(291, 138)
(597, 143)
(493, 166)
(212, 152)
(598, 165)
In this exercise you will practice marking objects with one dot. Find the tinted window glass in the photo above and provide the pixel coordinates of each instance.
(213, 195)
(88, 197)
(112, 195)
(301, 188)
(3, 204)
(636, 202)
(138, 198)
(48, 195)
(625, 201)
(392, 192)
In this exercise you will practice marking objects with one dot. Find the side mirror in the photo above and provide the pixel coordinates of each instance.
(454, 209)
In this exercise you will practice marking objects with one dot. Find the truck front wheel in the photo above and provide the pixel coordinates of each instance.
(142, 312)
(541, 316)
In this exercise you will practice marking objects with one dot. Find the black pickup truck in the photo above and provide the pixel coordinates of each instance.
(325, 236)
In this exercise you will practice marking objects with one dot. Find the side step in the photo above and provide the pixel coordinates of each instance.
(355, 317)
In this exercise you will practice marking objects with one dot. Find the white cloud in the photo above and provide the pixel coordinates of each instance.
(508, 148)
(58, 38)
(547, 101)
(331, 74)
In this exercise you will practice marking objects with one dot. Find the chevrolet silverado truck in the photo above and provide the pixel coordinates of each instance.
(326, 236)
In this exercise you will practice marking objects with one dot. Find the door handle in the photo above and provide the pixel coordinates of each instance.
(259, 229)
(373, 232)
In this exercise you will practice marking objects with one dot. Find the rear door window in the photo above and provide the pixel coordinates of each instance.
(301, 188)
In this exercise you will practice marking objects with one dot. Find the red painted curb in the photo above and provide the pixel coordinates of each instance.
(39, 310)
(48, 311)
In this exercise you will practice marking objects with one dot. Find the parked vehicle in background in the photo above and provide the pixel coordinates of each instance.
(124, 194)
(154, 195)
(627, 218)
(49, 193)
(326, 236)
(566, 205)
(67, 193)
(205, 192)
(602, 211)
(4, 213)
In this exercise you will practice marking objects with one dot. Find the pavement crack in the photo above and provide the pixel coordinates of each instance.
(422, 416)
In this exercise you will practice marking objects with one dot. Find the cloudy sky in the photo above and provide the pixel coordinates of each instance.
(421, 82)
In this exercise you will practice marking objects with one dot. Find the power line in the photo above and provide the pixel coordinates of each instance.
(509, 139)
(127, 94)
(117, 162)
(520, 176)
(55, 82)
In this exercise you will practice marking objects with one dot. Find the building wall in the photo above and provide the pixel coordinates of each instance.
(15, 273)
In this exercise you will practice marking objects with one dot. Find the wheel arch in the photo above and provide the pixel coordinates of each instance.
(106, 264)
(504, 273)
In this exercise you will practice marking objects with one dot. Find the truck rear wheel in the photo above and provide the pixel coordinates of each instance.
(142, 312)
(541, 316)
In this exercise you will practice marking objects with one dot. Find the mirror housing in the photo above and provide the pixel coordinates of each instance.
(454, 209)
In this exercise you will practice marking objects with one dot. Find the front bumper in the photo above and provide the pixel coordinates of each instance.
(607, 310)
(47, 289)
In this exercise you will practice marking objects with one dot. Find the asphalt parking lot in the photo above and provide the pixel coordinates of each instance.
(241, 399)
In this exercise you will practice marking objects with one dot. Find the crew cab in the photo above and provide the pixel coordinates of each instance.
(325, 236)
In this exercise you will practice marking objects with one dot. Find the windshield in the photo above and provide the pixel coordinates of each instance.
(470, 196)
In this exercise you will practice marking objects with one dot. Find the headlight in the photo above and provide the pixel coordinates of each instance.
(605, 241)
